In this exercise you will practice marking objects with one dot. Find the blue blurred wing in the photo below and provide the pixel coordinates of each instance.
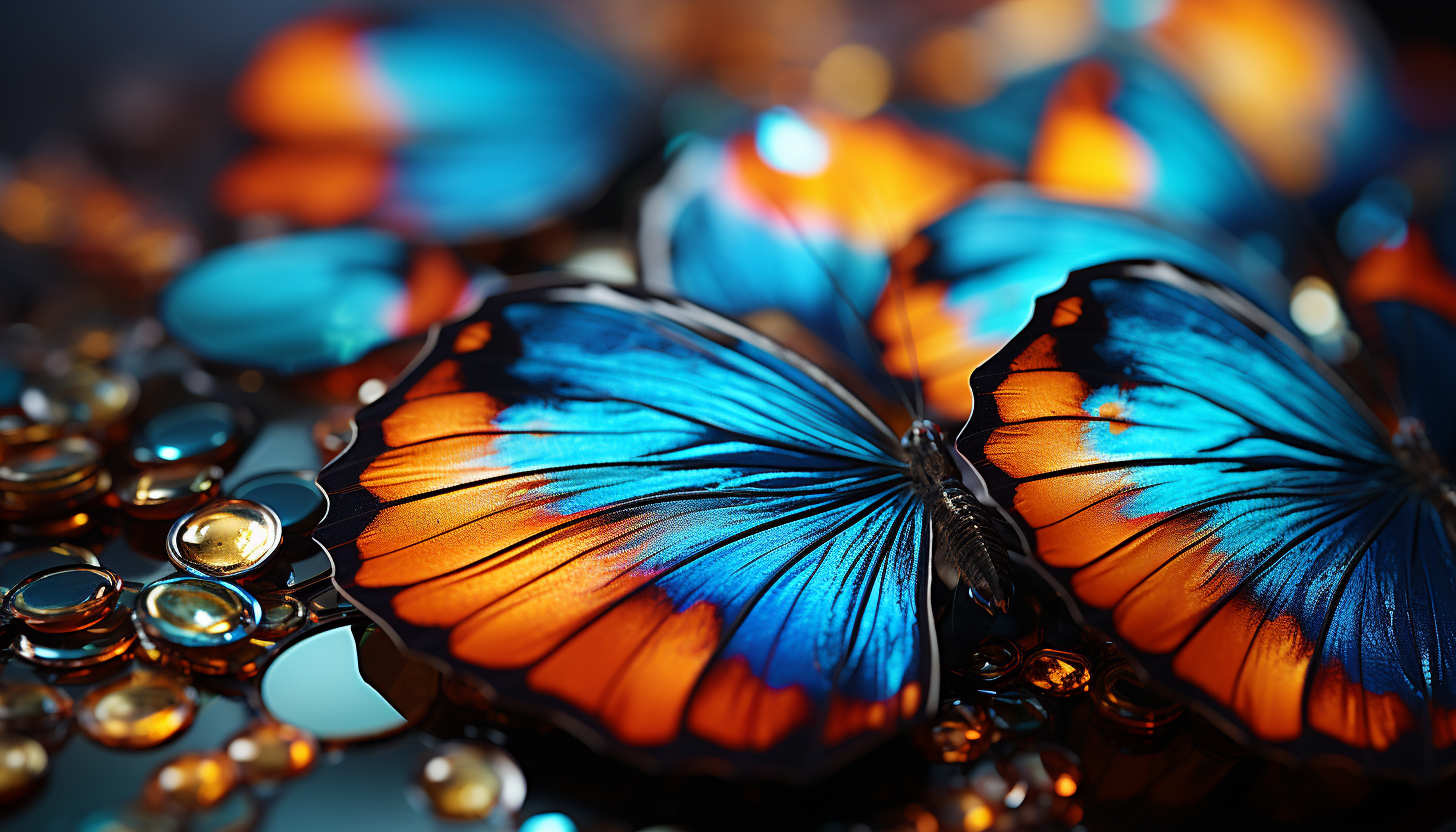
(972, 278)
(1216, 497)
(648, 518)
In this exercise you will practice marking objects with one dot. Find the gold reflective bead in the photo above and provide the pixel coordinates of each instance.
(192, 781)
(225, 538)
(140, 710)
(196, 612)
(461, 781)
(1057, 673)
(23, 764)
(267, 751)
(167, 492)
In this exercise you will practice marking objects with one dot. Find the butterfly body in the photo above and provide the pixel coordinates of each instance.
(960, 525)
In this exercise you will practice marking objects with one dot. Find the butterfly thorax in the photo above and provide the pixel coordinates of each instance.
(1433, 478)
(962, 530)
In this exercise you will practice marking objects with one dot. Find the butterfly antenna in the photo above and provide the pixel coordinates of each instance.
(864, 326)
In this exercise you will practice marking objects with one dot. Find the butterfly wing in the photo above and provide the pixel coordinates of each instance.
(970, 280)
(646, 518)
(1214, 496)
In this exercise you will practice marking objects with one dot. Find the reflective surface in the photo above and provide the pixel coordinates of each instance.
(464, 781)
(268, 751)
(225, 538)
(1057, 673)
(140, 710)
(19, 565)
(199, 432)
(110, 637)
(195, 612)
(168, 491)
(64, 598)
(86, 394)
(33, 709)
(293, 496)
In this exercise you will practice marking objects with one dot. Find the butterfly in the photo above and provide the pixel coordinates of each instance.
(314, 299)
(1224, 502)
(439, 124)
(630, 511)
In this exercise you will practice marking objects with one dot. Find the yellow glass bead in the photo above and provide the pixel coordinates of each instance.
(141, 710)
(64, 599)
(268, 751)
(170, 491)
(462, 781)
(225, 538)
(192, 781)
(1057, 673)
(23, 764)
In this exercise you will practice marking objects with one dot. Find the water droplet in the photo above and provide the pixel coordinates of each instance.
(64, 599)
(196, 612)
(268, 751)
(192, 781)
(1057, 673)
(198, 432)
(225, 538)
(140, 710)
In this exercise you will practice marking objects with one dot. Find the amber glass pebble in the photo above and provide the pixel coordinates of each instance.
(140, 710)
(282, 614)
(23, 764)
(1057, 673)
(168, 491)
(203, 431)
(960, 733)
(32, 709)
(64, 599)
(269, 751)
(225, 538)
(1124, 699)
(19, 565)
(196, 612)
(51, 478)
(293, 496)
(85, 394)
(464, 781)
(110, 637)
(192, 781)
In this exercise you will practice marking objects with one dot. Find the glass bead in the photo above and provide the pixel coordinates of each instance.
(196, 612)
(140, 710)
(993, 659)
(109, 638)
(19, 565)
(282, 614)
(85, 394)
(293, 496)
(224, 539)
(192, 781)
(64, 599)
(23, 765)
(168, 491)
(17, 431)
(464, 781)
(51, 478)
(1057, 673)
(33, 709)
(1124, 699)
(960, 733)
(1016, 712)
(268, 751)
(200, 432)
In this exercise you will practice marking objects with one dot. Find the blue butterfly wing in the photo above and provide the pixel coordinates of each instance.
(1214, 496)
(975, 275)
(643, 516)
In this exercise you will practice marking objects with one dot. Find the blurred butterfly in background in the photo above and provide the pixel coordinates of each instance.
(1219, 498)
(651, 519)
(442, 124)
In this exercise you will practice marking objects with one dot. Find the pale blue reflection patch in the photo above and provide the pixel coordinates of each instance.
(316, 685)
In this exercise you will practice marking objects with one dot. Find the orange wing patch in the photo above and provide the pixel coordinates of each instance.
(1084, 153)
(1410, 272)
(1353, 715)
(472, 336)
(316, 186)
(1068, 312)
(848, 717)
(737, 710)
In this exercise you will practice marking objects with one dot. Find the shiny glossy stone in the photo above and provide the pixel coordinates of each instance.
(196, 612)
(33, 709)
(225, 538)
(993, 660)
(168, 491)
(463, 781)
(17, 431)
(1124, 699)
(1057, 673)
(50, 465)
(960, 733)
(282, 614)
(319, 684)
(17, 566)
(64, 599)
(86, 394)
(268, 751)
(203, 431)
(192, 781)
(23, 765)
(293, 496)
(1017, 712)
(140, 710)
(107, 639)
